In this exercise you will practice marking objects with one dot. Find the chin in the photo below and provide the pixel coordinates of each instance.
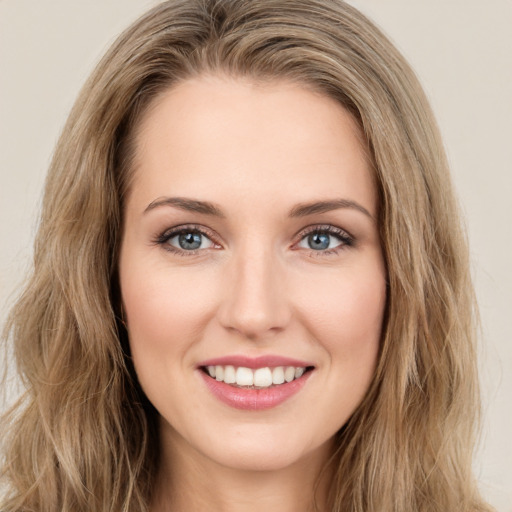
(254, 458)
(264, 449)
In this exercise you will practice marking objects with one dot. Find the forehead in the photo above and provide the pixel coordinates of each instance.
(213, 135)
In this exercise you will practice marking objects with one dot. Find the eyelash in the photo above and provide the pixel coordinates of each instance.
(345, 239)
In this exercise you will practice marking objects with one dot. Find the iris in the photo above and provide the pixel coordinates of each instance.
(190, 241)
(318, 241)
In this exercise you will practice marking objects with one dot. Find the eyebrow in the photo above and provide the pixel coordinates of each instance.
(305, 209)
(189, 205)
(300, 210)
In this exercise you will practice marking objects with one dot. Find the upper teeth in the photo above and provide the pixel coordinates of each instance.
(260, 377)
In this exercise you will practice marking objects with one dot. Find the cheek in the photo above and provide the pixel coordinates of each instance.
(348, 326)
(347, 307)
(345, 316)
(166, 312)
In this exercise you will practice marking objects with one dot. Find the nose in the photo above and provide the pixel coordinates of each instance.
(255, 303)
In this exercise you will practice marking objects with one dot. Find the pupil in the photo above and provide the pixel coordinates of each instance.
(318, 241)
(190, 241)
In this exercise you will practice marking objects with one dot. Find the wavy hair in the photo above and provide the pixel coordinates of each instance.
(81, 437)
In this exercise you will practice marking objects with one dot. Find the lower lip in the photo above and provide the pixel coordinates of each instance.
(254, 399)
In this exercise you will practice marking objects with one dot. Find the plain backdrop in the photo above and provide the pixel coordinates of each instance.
(462, 52)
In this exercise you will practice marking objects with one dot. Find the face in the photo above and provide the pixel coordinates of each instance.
(251, 272)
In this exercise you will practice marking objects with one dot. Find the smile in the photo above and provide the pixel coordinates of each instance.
(254, 383)
(259, 378)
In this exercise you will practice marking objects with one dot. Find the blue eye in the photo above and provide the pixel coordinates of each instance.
(189, 241)
(325, 239)
(322, 240)
(319, 241)
(185, 240)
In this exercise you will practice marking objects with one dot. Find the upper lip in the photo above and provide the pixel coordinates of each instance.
(270, 360)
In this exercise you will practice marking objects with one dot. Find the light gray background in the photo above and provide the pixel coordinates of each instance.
(462, 51)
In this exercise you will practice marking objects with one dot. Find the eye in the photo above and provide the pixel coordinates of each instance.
(325, 239)
(190, 241)
(185, 240)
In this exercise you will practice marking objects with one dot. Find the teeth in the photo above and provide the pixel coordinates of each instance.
(258, 378)
(278, 375)
(263, 377)
(244, 376)
(289, 373)
(229, 375)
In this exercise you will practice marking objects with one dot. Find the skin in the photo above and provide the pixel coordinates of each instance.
(254, 287)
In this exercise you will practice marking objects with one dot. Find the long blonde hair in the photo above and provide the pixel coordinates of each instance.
(82, 436)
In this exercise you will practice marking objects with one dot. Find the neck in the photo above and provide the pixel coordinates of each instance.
(188, 481)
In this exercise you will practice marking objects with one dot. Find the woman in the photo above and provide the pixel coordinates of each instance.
(250, 285)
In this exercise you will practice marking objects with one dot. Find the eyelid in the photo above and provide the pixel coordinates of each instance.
(321, 227)
(324, 228)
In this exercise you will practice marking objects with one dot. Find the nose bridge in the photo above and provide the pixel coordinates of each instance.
(256, 302)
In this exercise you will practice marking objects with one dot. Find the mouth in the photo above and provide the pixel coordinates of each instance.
(255, 383)
(255, 378)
